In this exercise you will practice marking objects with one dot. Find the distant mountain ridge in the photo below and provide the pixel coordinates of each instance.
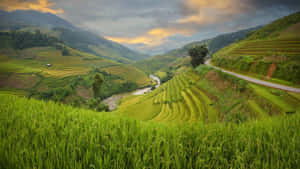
(214, 44)
(21, 18)
(75, 37)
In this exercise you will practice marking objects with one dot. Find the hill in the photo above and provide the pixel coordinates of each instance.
(23, 69)
(208, 95)
(271, 53)
(59, 136)
(75, 37)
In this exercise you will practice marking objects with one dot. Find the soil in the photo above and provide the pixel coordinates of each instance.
(214, 77)
(20, 81)
(271, 70)
(84, 92)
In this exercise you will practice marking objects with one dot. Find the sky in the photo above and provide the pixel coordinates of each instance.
(157, 26)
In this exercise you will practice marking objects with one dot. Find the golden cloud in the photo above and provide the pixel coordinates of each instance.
(210, 11)
(39, 5)
(153, 37)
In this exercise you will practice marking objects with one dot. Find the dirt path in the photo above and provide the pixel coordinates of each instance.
(261, 82)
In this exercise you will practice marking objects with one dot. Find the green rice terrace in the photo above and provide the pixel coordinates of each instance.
(49, 135)
(207, 95)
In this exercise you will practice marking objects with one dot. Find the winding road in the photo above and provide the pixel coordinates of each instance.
(260, 82)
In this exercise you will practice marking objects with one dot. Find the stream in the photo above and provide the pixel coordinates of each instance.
(113, 100)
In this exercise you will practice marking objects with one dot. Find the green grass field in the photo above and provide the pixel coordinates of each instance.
(207, 95)
(37, 134)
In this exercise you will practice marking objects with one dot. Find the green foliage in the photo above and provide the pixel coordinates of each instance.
(203, 70)
(273, 30)
(198, 54)
(65, 52)
(236, 117)
(22, 40)
(95, 104)
(59, 136)
(55, 94)
(97, 84)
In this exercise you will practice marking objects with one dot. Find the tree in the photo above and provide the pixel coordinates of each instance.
(198, 54)
(65, 51)
(97, 85)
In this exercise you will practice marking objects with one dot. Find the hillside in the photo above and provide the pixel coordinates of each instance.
(49, 135)
(75, 37)
(23, 69)
(271, 53)
(214, 44)
(207, 95)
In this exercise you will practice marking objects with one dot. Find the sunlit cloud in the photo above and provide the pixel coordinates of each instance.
(210, 11)
(37, 5)
(153, 37)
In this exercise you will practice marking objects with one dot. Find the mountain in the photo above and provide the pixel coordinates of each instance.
(214, 44)
(271, 53)
(18, 19)
(75, 37)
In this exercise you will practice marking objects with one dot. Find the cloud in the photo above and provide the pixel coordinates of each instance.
(37, 5)
(201, 12)
(153, 37)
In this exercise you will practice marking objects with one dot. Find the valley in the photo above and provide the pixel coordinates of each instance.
(113, 100)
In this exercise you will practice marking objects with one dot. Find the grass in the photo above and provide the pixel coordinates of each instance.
(37, 134)
(129, 73)
(277, 100)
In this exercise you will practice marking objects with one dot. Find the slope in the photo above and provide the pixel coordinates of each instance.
(207, 95)
(37, 134)
(271, 53)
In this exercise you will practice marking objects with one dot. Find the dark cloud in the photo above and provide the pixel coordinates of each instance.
(262, 4)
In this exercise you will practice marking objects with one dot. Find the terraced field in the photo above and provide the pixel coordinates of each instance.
(208, 96)
(271, 53)
(263, 48)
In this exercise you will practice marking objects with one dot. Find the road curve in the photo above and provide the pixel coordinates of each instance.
(260, 82)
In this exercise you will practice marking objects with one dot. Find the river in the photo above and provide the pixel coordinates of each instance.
(113, 100)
